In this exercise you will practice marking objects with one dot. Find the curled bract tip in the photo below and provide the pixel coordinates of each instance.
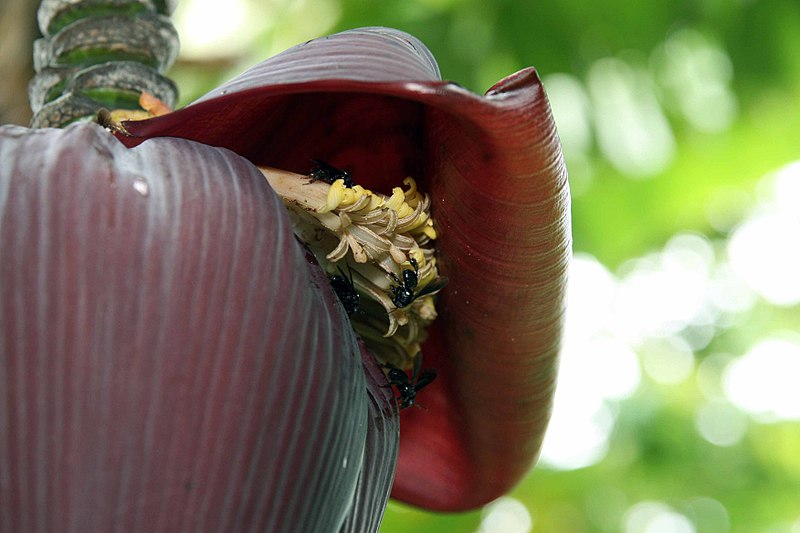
(371, 99)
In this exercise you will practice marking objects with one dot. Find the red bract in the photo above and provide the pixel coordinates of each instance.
(371, 101)
(152, 377)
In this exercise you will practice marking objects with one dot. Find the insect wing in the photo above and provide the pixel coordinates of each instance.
(348, 276)
(425, 379)
(433, 287)
(417, 366)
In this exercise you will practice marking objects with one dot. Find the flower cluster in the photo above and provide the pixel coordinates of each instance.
(381, 241)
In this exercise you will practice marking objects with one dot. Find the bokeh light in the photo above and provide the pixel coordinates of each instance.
(204, 30)
(708, 515)
(764, 381)
(720, 423)
(632, 131)
(505, 515)
(667, 361)
(696, 74)
(656, 517)
(595, 369)
(663, 293)
(764, 250)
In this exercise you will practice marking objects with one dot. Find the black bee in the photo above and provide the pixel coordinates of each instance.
(346, 291)
(403, 293)
(329, 173)
(408, 389)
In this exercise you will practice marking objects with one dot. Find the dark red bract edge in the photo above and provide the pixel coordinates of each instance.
(494, 169)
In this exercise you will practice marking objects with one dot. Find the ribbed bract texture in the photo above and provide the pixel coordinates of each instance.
(380, 454)
(169, 359)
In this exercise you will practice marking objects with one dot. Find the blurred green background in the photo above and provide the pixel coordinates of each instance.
(678, 401)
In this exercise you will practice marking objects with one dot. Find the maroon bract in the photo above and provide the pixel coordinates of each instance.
(371, 101)
(151, 377)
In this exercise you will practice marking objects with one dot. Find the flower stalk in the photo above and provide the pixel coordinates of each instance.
(100, 54)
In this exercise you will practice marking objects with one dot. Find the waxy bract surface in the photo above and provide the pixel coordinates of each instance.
(169, 358)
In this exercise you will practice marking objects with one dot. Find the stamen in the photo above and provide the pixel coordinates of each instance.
(377, 237)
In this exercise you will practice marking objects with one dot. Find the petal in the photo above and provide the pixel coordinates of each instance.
(370, 101)
(169, 360)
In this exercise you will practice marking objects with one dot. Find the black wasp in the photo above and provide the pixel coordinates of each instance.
(408, 389)
(329, 173)
(403, 293)
(346, 291)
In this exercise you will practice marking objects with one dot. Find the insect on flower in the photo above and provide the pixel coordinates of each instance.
(106, 120)
(346, 291)
(403, 293)
(408, 389)
(329, 173)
